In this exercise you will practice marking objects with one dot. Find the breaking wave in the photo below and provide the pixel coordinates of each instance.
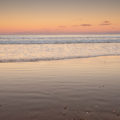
(51, 59)
(15, 48)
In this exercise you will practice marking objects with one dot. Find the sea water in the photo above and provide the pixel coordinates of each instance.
(30, 48)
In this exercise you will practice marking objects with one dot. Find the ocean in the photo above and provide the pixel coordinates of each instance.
(26, 48)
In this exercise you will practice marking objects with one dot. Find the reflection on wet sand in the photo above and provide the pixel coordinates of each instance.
(78, 89)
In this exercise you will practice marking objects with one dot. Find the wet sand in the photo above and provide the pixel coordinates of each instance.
(77, 89)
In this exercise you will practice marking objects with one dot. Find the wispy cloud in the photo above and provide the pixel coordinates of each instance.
(106, 23)
(84, 25)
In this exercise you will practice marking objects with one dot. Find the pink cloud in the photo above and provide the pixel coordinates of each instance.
(86, 25)
(106, 23)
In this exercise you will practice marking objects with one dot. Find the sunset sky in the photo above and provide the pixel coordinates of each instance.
(59, 16)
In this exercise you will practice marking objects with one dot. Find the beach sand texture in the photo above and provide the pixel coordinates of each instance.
(77, 89)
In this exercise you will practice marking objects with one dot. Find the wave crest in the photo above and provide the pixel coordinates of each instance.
(52, 58)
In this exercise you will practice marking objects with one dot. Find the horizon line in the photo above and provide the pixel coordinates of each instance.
(57, 33)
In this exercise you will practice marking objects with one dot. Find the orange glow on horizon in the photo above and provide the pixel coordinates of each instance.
(49, 17)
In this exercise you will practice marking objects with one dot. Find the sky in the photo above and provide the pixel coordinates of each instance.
(59, 16)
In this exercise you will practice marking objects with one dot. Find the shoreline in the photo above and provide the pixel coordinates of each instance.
(53, 59)
(86, 89)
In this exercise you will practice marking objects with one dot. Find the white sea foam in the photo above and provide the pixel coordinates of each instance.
(14, 48)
